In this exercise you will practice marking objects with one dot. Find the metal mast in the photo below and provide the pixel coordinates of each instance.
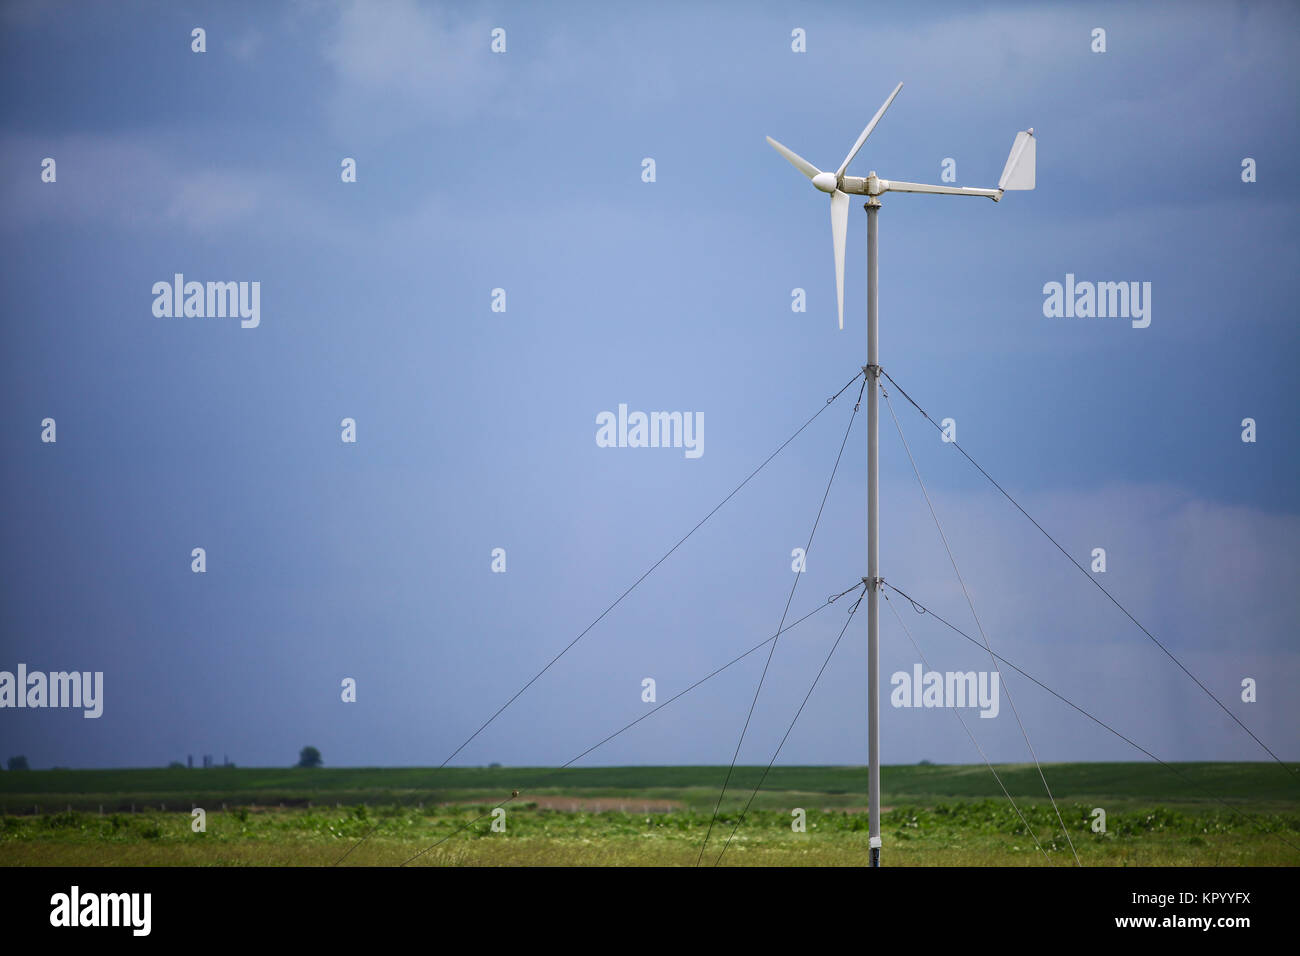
(873, 537)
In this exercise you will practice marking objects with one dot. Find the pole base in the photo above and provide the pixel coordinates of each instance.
(875, 856)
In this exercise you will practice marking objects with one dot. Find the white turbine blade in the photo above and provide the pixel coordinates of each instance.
(839, 230)
(895, 186)
(795, 160)
(866, 132)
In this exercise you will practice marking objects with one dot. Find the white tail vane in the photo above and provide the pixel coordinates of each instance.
(1019, 171)
(1017, 174)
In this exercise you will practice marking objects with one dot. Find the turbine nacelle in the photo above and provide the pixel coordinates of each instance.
(1018, 173)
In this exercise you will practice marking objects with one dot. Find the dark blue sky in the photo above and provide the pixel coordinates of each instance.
(476, 429)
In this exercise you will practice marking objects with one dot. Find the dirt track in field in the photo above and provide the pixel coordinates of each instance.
(628, 805)
(602, 804)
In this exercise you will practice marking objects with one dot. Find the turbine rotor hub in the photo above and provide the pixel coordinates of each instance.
(826, 182)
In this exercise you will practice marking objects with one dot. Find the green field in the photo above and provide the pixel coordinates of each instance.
(931, 815)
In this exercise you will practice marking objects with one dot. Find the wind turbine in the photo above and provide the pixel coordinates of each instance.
(1018, 173)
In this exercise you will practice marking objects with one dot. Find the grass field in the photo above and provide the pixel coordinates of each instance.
(931, 815)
